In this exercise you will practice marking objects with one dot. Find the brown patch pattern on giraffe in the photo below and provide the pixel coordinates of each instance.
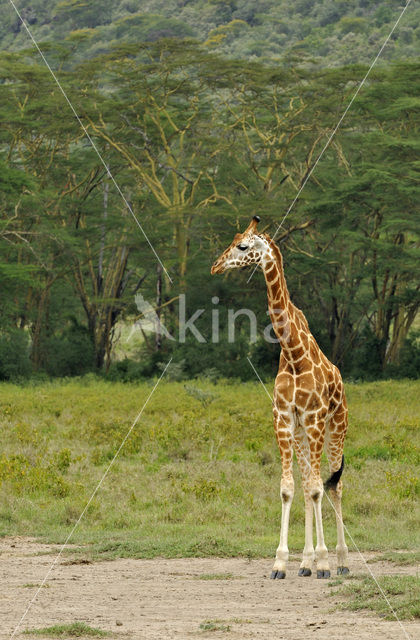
(309, 404)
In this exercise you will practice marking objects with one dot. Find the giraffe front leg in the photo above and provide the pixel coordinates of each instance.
(302, 454)
(287, 489)
(321, 551)
(308, 555)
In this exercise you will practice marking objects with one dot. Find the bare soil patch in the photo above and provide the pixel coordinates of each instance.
(183, 598)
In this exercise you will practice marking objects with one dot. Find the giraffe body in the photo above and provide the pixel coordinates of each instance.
(309, 406)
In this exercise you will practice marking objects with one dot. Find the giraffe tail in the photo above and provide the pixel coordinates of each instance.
(332, 481)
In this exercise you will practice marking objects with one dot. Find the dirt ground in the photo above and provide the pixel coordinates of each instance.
(163, 599)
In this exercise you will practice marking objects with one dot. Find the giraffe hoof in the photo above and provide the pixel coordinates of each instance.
(323, 573)
(278, 575)
(342, 571)
(304, 572)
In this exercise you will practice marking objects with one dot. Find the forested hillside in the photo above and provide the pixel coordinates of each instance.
(206, 113)
(326, 32)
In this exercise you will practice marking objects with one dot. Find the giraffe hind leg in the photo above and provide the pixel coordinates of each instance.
(316, 435)
(341, 548)
(334, 486)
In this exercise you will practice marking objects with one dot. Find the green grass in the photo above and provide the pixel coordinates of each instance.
(211, 625)
(199, 474)
(402, 592)
(400, 558)
(74, 630)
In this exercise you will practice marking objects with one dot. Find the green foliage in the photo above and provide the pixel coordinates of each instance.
(72, 630)
(205, 397)
(80, 14)
(366, 361)
(353, 24)
(37, 474)
(204, 489)
(14, 355)
(409, 359)
(336, 30)
(69, 354)
(143, 27)
(129, 370)
(213, 625)
(199, 141)
(13, 180)
(197, 359)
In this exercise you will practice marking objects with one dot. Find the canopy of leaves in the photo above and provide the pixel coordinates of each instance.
(326, 32)
(198, 141)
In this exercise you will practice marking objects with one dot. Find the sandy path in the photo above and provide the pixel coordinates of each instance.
(162, 599)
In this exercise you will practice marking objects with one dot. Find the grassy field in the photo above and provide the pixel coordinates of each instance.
(361, 592)
(200, 473)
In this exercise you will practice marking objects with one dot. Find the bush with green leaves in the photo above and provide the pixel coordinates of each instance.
(14, 355)
(69, 354)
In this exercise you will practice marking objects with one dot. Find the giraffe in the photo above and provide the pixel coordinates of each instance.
(309, 406)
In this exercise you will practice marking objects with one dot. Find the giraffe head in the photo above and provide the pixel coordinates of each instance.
(247, 248)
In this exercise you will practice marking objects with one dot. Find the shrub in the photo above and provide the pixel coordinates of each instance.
(353, 24)
(409, 365)
(71, 354)
(366, 360)
(14, 355)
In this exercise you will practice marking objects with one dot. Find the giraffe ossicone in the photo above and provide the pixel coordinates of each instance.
(309, 406)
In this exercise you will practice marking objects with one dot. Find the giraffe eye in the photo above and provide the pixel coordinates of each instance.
(242, 247)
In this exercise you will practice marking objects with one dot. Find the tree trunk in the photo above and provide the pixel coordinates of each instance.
(158, 337)
(103, 236)
(39, 328)
(401, 326)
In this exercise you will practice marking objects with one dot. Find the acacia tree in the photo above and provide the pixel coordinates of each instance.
(365, 244)
(35, 136)
(102, 272)
(66, 229)
(161, 121)
(195, 143)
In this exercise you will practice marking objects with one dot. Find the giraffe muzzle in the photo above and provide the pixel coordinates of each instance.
(217, 267)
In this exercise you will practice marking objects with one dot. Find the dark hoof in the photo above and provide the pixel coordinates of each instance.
(342, 571)
(304, 572)
(323, 574)
(278, 575)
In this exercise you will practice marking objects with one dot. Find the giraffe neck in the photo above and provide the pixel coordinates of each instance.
(289, 323)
